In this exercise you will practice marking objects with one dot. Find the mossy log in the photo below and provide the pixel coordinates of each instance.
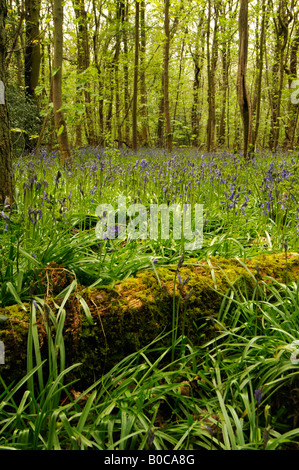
(132, 313)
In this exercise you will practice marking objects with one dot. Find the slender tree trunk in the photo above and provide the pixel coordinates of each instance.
(124, 18)
(32, 57)
(179, 81)
(224, 91)
(281, 22)
(63, 140)
(32, 49)
(100, 74)
(226, 34)
(83, 64)
(198, 60)
(118, 124)
(243, 95)
(6, 182)
(166, 78)
(260, 45)
(212, 62)
(161, 116)
(18, 32)
(143, 93)
(292, 116)
(135, 90)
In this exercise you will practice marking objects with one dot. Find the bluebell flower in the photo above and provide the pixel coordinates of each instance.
(258, 395)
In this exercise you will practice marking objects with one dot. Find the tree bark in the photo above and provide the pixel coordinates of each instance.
(100, 73)
(143, 93)
(198, 61)
(281, 23)
(166, 78)
(243, 95)
(83, 64)
(32, 50)
(124, 20)
(212, 62)
(32, 59)
(135, 90)
(293, 109)
(6, 181)
(260, 45)
(63, 140)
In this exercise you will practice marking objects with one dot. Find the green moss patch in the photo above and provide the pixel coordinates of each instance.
(135, 311)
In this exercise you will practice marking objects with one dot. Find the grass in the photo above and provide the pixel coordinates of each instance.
(239, 390)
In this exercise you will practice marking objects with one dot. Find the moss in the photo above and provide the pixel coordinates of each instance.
(134, 312)
(14, 333)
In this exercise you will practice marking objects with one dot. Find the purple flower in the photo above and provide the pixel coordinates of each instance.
(34, 215)
(57, 177)
(258, 395)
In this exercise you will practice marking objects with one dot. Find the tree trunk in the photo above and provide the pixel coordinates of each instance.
(224, 92)
(198, 61)
(83, 64)
(135, 90)
(32, 49)
(166, 78)
(6, 183)
(243, 95)
(63, 140)
(124, 18)
(260, 44)
(32, 57)
(161, 116)
(143, 94)
(212, 62)
(281, 22)
(226, 35)
(178, 88)
(293, 109)
(100, 74)
(118, 124)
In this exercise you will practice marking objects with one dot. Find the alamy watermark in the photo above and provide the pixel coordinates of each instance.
(2, 92)
(2, 353)
(136, 222)
(295, 352)
(295, 94)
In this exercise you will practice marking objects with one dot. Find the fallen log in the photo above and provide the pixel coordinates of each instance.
(132, 313)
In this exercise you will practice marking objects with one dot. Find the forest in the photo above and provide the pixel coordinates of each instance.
(149, 226)
(145, 74)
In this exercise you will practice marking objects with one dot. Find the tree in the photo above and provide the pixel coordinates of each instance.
(211, 65)
(166, 78)
(282, 18)
(143, 95)
(198, 61)
(150, 63)
(293, 109)
(243, 95)
(6, 182)
(135, 90)
(63, 140)
(32, 49)
(32, 58)
(260, 45)
(83, 56)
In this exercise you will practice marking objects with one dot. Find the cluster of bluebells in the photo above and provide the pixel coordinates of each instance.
(273, 184)
(156, 177)
(4, 216)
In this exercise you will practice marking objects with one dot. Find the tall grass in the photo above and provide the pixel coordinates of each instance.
(227, 394)
(234, 392)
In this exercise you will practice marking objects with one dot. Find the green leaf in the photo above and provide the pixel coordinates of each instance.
(60, 131)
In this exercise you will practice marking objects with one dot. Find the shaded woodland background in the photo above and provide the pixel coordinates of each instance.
(156, 74)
